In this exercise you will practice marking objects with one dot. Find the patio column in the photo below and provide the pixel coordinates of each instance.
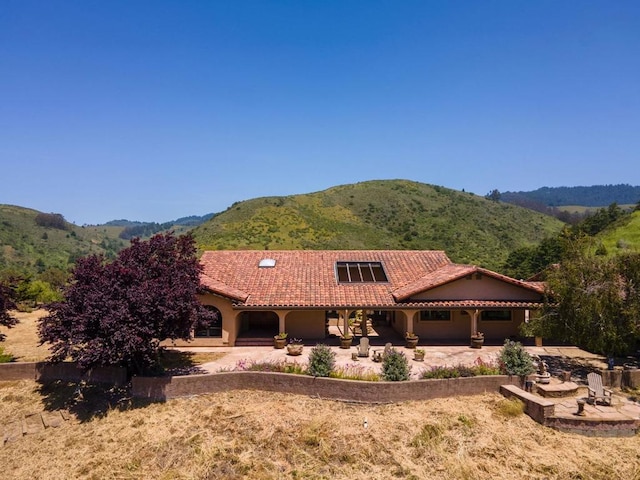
(409, 314)
(473, 314)
(281, 324)
(345, 322)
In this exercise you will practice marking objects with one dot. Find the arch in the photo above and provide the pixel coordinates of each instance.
(213, 329)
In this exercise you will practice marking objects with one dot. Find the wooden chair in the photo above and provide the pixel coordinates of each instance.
(363, 347)
(596, 390)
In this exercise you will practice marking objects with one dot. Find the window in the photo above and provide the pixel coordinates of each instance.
(435, 315)
(360, 272)
(214, 329)
(496, 315)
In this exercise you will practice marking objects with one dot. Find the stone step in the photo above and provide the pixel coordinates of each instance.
(557, 390)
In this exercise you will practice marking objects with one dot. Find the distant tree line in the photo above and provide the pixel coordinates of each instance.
(593, 196)
(137, 229)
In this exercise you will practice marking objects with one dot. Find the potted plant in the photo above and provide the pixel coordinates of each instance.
(345, 341)
(412, 340)
(295, 347)
(280, 340)
(477, 340)
(418, 355)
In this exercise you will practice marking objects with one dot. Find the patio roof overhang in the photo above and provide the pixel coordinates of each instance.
(421, 305)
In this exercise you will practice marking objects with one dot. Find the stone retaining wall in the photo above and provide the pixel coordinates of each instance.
(66, 371)
(536, 407)
(163, 388)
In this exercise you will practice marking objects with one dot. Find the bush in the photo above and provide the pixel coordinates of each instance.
(515, 360)
(5, 357)
(395, 367)
(510, 407)
(322, 361)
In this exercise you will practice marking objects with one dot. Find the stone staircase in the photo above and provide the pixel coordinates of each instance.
(32, 423)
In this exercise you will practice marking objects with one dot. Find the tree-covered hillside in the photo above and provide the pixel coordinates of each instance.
(384, 214)
(593, 196)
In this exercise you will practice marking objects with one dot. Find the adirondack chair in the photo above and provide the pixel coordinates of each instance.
(596, 390)
(363, 347)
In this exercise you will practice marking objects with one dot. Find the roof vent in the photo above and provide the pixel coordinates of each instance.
(267, 263)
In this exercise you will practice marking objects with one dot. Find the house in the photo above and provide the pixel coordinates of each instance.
(261, 293)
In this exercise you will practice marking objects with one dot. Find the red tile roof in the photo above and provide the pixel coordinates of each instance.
(307, 278)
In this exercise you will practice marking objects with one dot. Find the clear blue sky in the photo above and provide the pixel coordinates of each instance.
(156, 110)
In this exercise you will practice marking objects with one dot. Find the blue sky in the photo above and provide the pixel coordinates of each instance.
(156, 110)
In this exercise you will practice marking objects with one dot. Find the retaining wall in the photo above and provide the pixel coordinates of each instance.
(66, 371)
(163, 388)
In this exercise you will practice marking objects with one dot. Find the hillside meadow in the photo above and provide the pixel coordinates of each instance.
(382, 214)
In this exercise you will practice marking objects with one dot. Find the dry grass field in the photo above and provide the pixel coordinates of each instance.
(22, 340)
(260, 435)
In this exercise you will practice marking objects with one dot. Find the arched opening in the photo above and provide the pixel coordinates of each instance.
(213, 329)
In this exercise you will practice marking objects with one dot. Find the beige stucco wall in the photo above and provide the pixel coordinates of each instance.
(501, 329)
(458, 327)
(484, 288)
(306, 324)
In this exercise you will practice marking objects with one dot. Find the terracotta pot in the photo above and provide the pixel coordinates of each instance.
(477, 342)
(412, 342)
(279, 342)
(294, 349)
(345, 342)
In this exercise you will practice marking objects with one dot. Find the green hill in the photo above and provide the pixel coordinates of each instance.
(385, 214)
(623, 236)
(31, 241)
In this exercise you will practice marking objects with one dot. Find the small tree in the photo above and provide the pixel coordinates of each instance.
(395, 367)
(515, 360)
(118, 313)
(322, 361)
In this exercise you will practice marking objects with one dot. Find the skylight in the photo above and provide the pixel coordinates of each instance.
(360, 272)
(267, 263)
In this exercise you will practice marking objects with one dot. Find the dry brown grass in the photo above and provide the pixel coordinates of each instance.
(22, 340)
(258, 435)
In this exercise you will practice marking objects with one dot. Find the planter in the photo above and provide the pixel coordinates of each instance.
(418, 356)
(412, 342)
(294, 349)
(279, 342)
(477, 342)
(345, 342)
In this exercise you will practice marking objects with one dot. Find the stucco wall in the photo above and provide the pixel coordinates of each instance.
(501, 328)
(67, 371)
(306, 324)
(458, 327)
(484, 288)
(369, 392)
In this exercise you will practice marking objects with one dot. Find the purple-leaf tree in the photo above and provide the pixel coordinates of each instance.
(6, 304)
(118, 313)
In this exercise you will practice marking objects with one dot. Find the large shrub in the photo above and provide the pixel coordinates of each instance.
(117, 313)
(395, 367)
(322, 361)
(515, 360)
